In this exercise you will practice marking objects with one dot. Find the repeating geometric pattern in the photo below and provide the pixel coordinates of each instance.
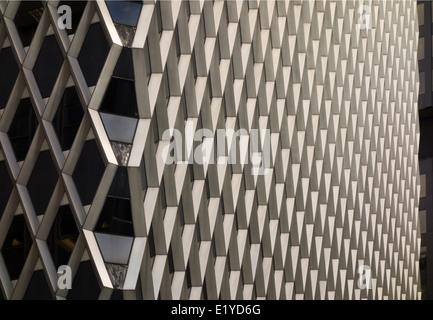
(342, 189)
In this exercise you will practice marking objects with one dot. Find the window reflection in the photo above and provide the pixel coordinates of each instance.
(124, 12)
(119, 129)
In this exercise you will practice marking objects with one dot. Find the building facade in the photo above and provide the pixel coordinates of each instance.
(115, 182)
(425, 150)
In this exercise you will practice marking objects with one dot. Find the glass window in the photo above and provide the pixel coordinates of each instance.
(5, 187)
(124, 68)
(68, 118)
(47, 66)
(23, 129)
(119, 128)
(116, 217)
(88, 172)
(63, 236)
(85, 285)
(27, 19)
(16, 246)
(42, 182)
(124, 12)
(8, 75)
(120, 98)
(38, 287)
(93, 54)
(120, 186)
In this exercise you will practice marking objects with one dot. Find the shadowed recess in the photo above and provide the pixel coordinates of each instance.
(47, 66)
(120, 98)
(38, 288)
(93, 54)
(63, 236)
(23, 128)
(8, 75)
(88, 171)
(5, 187)
(42, 182)
(68, 118)
(27, 19)
(16, 246)
(85, 284)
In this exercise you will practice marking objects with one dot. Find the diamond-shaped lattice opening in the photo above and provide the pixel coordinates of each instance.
(77, 9)
(63, 236)
(120, 98)
(68, 118)
(88, 172)
(42, 182)
(85, 284)
(93, 54)
(38, 287)
(27, 19)
(47, 65)
(16, 246)
(6, 187)
(23, 128)
(8, 75)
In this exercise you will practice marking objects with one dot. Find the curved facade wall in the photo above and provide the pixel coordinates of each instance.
(209, 150)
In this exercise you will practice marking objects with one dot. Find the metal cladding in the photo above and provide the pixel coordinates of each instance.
(334, 83)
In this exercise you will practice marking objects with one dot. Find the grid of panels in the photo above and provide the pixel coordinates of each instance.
(342, 187)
